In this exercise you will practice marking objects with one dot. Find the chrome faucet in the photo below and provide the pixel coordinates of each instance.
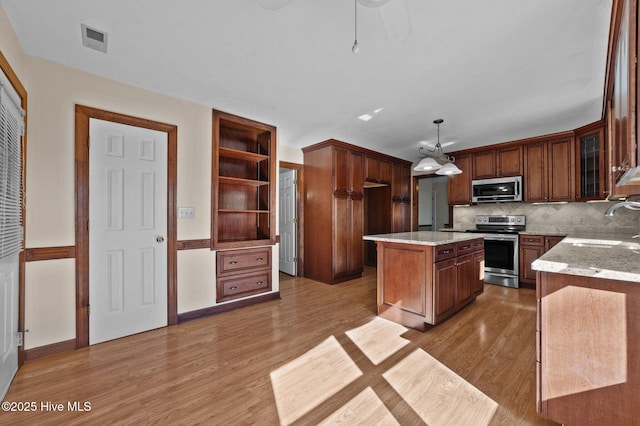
(632, 205)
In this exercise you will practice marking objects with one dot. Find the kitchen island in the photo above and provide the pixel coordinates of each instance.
(425, 277)
(588, 336)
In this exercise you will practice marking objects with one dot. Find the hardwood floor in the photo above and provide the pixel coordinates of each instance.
(319, 354)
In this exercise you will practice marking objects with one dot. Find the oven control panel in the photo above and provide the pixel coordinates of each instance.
(501, 220)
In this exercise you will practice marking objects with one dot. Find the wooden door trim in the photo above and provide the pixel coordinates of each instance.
(82, 116)
(299, 168)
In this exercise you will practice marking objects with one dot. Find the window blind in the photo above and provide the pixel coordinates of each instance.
(11, 131)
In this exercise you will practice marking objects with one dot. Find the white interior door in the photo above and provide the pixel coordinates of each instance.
(287, 222)
(127, 230)
(8, 321)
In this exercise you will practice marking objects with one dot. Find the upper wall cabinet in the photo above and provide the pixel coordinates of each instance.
(549, 171)
(378, 170)
(590, 163)
(243, 188)
(497, 162)
(459, 186)
(621, 105)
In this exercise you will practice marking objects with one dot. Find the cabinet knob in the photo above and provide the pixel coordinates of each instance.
(259, 282)
(233, 262)
(233, 287)
(259, 259)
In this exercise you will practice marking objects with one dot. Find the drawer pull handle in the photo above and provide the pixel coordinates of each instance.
(259, 283)
(465, 247)
(233, 287)
(445, 252)
(259, 259)
(233, 262)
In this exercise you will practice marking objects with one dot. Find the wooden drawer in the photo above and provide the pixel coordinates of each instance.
(465, 247)
(532, 240)
(235, 287)
(237, 261)
(445, 251)
(478, 244)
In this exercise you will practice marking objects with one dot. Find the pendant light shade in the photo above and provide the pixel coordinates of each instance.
(449, 169)
(427, 164)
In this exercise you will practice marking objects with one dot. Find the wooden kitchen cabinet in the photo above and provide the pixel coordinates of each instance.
(498, 162)
(531, 248)
(421, 284)
(243, 182)
(242, 272)
(588, 350)
(401, 198)
(549, 171)
(621, 102)
(590, 163)
(459, 186)
(338, 206)
(378, 170)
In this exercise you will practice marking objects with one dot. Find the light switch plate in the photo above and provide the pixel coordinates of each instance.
(186, 212)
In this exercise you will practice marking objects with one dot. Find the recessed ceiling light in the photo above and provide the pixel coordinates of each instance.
(94, 39)
(375, 111)
(365, 117)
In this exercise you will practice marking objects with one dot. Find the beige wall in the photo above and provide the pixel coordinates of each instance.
(10, 46)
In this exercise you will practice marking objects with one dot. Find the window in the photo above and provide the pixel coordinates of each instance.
(11, 131)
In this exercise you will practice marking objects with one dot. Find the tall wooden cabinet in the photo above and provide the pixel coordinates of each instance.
(242, 205)
(401, 198)
(336, 174)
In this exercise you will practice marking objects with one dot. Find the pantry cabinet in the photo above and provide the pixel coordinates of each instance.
(338, 177)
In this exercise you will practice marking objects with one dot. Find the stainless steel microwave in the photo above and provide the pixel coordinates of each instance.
(497, 190)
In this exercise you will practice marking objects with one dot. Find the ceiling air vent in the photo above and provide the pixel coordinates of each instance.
(94, 39)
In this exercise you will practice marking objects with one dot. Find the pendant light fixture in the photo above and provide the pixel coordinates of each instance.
(355, 48)
(435, 160)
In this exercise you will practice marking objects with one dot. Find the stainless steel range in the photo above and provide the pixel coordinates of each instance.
(501, 248)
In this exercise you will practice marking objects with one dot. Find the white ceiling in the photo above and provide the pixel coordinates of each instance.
(494, 70)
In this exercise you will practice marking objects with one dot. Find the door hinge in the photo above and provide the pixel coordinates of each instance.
(20, 337)
(295, 181)
(295, 220)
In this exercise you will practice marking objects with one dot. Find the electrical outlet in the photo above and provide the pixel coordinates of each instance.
(186, 212)
(582, 220)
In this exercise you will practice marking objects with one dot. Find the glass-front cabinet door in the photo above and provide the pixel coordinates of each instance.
(590, 163)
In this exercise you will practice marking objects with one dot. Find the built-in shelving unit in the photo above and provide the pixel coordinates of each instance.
(243, 191)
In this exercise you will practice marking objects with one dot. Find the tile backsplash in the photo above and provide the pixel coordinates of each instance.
(557, 218)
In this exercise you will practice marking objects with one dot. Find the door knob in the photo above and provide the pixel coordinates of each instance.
(159, 239)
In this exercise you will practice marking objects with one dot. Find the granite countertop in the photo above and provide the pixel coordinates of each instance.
(426, 238)
(609, 256)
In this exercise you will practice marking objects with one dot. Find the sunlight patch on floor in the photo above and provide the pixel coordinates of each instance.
(378, 339)
(304, 383)
(364, 409)
(437, 394)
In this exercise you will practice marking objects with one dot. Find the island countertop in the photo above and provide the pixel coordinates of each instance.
(426, 238)
(615, 257)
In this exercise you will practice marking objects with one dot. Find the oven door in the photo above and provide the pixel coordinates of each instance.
(501, 259)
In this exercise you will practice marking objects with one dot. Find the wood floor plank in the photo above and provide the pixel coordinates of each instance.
(217, 370)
